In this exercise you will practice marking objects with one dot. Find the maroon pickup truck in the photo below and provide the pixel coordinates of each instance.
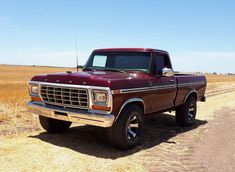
(116, 89)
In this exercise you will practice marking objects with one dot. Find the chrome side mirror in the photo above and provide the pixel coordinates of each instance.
(167, 72)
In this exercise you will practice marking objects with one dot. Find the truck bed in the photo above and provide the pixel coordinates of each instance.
(187, 83)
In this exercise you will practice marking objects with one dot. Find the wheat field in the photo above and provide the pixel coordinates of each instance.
(14, 117)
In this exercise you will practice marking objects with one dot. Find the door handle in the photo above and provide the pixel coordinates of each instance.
(172, 80)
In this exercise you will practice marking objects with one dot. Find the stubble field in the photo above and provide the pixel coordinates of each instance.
(14, 96)
(84, 148)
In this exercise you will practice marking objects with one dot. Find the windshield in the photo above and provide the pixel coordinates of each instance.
(119, 61)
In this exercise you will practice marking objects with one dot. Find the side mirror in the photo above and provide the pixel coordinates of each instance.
(167, 72)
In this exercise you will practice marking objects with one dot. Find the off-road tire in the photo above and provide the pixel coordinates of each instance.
(53, 125)
(120, 135)
(184, 117)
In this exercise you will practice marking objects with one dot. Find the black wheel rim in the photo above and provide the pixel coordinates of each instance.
(132, 127)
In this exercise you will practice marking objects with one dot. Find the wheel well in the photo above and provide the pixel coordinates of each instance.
(138, 103)
(193, 94)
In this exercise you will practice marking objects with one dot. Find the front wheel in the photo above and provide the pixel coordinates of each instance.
(53, 125)
(127, 131)
(186, 113)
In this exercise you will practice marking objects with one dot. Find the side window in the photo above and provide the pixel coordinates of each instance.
(99, 61)
(160, 63)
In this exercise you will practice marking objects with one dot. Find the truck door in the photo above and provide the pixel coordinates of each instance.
(164, 87)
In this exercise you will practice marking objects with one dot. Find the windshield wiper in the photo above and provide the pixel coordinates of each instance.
(89, 68)
(106, 69)
(114, 70)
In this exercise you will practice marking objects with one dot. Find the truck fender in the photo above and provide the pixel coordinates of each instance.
(192, 92)
(132, 100)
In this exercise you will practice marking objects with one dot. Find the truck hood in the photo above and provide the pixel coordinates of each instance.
(114, 80)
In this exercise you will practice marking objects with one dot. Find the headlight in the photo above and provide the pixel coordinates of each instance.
(33, 89)
(100, 96)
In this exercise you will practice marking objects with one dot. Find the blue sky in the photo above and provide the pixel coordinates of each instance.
(199, 35)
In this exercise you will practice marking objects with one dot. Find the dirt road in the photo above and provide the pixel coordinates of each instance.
(216, 150)
(209, 146)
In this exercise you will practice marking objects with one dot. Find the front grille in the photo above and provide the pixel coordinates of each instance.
(65, 97)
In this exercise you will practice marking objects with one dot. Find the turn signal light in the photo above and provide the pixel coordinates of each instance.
(101, 108)
(37, 99)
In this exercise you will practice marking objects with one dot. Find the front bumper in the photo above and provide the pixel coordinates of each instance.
(81, 116)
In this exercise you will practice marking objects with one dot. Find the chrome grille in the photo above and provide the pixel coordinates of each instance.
(66, 97)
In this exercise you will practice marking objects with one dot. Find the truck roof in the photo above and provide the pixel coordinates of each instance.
(130, 50)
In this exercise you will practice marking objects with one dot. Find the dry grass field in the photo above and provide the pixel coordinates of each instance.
(14, 95)
(25, 147)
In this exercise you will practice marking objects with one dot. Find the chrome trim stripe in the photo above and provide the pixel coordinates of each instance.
(191, 84)
(143, 89)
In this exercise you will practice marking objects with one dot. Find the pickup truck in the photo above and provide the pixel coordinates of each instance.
(117, 89)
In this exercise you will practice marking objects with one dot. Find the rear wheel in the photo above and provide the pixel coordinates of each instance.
(127, 132)
(53, 125)
(186, 113)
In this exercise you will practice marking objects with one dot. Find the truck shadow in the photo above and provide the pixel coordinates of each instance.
(93, 140)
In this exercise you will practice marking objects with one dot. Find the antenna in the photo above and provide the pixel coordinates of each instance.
(76, 47)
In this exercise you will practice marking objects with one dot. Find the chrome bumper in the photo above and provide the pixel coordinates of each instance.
(81, 116)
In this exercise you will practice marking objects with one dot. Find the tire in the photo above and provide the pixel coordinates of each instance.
(53, 125)
(186, 113)
(127, 131)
